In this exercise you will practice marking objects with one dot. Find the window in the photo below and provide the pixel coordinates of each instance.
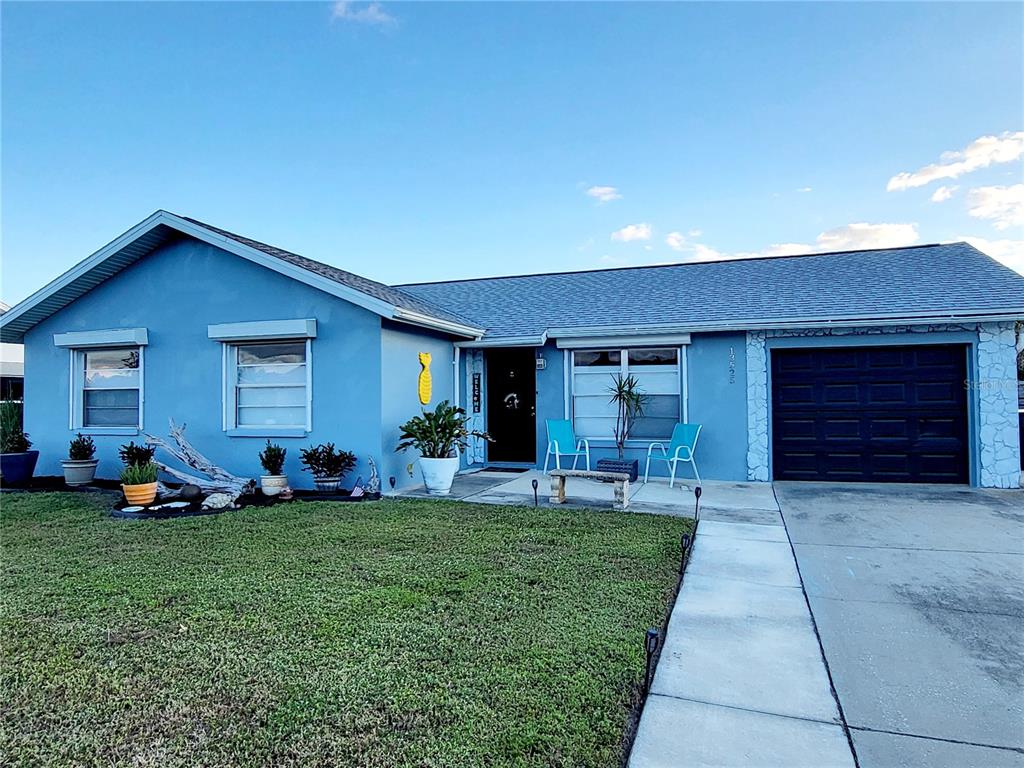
(656, 370)
(108, 388)
(268, 385)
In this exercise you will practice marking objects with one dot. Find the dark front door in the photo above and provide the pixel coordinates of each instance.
(873, 414)
(511, 405)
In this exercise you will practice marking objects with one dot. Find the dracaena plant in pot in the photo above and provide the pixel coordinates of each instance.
(138, 478)
(272, 459)
(17, 460)
(327, 464)
(437, 435)
(80, 465)
(629, 401)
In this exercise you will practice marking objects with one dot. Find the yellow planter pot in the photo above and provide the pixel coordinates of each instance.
(140, 495)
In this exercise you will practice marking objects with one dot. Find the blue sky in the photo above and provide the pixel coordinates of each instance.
(420, 141)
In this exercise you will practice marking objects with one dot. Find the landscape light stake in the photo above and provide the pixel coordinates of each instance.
(651, 642)
(684, 546)
(535, 501)
(393, 482)
(696, 507)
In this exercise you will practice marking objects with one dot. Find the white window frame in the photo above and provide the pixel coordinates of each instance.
(570, 385)
(229, 381)
(76, 406)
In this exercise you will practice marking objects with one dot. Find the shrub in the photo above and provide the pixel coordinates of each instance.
(272, 458)
(133, 455)
(436, 434)
(324, 461)
(12, 437)
(139, 474)
(82, 448)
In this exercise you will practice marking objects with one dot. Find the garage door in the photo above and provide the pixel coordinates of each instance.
(873, 414)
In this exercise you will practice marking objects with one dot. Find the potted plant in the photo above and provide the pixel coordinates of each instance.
(138, 481)
(328, 465)
(80, 465)
(133, 455)
(17, 461)
(437, 435)
(629, 402)
(272, 459)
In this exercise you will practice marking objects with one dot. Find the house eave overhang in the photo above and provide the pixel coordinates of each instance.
(639, 334)
(531, 340)
(426, 321)
(155, 231)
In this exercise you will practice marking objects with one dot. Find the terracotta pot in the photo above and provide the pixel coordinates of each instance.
(272, 485)
(79, 471)
(140, 495)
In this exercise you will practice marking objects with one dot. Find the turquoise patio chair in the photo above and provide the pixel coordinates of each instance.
(562, 442)
(680, 449)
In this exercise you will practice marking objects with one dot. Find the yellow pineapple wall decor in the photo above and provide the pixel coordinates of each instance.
(425, 383)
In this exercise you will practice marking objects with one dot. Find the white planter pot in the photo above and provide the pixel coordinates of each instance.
(79, 471)
(438, 474)
(271, 485)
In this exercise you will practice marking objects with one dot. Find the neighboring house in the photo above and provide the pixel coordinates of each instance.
(12, 368)
(882, 365)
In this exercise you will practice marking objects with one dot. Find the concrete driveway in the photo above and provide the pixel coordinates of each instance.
(918, 596)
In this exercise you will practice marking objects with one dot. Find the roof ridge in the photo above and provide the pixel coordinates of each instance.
(678, 264)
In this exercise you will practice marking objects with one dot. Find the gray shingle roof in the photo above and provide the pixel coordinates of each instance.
(951, 279)
(380, 291)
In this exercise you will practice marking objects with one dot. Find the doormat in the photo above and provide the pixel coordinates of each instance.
(510, 470)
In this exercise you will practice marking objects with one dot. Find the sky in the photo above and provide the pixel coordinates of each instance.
(427, 141)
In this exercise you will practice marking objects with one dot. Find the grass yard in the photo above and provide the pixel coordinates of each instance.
(401, 633)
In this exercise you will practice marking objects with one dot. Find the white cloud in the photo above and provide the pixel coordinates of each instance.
(1008, 252)
(604, 194)
(1003, 206)
(804, 189)
(632, 232)
(863, 235)
(373, 13)
(851, 237)
(675, 241)
(942, 194)
(980, 153)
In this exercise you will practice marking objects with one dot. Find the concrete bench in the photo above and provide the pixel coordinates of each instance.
(621, 480)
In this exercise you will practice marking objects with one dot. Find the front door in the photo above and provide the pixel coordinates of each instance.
(511, 405)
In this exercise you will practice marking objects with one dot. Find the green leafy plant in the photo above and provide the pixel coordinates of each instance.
(629, 401)
(81, 448)
(12, 436)
(325, 461)
(438, 433)
(139, 474)
(133, 455)
(272, 458)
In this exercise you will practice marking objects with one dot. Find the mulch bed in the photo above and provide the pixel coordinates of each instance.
(51, 483)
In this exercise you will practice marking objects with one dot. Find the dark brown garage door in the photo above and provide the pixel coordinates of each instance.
(873, 414)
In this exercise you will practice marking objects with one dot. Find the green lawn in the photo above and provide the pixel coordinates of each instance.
(401, 633)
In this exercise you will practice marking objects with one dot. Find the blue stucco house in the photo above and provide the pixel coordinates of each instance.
(881, 365)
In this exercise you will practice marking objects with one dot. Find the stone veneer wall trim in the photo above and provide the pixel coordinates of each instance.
(997, 437)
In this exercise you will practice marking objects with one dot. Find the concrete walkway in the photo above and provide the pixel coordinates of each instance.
(751, 502)
(741, 680)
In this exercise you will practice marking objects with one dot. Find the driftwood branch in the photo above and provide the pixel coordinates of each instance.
(216, 480)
